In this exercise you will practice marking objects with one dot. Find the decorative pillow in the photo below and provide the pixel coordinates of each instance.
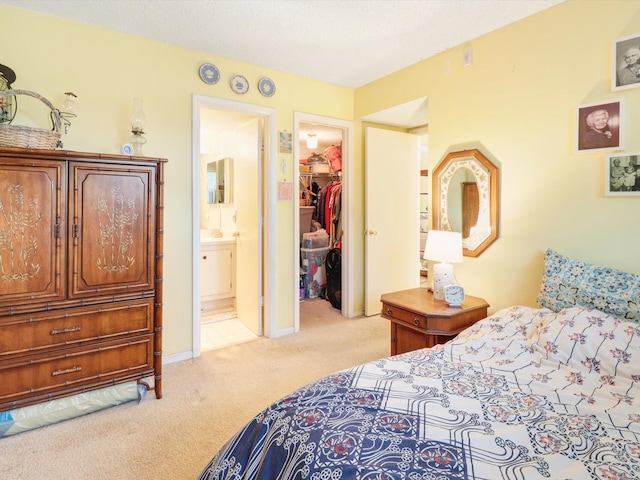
(567, 283)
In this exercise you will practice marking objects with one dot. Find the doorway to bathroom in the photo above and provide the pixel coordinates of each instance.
(230, 143)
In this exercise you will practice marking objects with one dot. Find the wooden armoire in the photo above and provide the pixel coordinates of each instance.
(80, 273)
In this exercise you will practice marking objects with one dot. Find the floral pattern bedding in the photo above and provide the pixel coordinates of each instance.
(524, 394)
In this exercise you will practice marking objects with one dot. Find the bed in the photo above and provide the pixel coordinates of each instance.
(527, 393)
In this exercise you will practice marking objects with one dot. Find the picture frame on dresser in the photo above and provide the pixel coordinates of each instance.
(622, 175)
(625, 65)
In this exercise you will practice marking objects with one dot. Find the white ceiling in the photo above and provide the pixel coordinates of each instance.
(343, 42)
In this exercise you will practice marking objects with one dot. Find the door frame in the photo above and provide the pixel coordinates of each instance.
(347, 206)
(268, 206)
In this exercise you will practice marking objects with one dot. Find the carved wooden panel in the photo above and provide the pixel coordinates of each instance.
(109, 232)
(32, 222)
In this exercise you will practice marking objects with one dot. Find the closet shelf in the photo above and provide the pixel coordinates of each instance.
(309, 174)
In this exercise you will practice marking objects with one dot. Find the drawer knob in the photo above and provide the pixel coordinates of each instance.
(204, 257)
(416, 321)
(388, 311)
(65, 330)
(73, 369)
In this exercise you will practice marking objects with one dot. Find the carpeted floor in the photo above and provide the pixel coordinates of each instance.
(205, 402)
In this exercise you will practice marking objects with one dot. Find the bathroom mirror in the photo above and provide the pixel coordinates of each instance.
(220, 181)
(465, 199)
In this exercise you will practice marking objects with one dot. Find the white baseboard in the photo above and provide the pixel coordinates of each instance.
(177, 357)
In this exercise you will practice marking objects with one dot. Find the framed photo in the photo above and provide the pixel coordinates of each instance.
(285, 145)
(599, 126)
(626, 63)
(622, 176)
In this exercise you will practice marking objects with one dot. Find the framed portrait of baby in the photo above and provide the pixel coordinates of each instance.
(626, 63)
(599, 126)
(622, 175)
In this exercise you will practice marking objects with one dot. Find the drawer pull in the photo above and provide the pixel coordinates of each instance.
(65, 330)
(389, 312)
(68, 370)
(416, 321)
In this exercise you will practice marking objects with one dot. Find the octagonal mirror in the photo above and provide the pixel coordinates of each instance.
(465, 199)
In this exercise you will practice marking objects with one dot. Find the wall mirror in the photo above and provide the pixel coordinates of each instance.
(220, 181)
(465, 199)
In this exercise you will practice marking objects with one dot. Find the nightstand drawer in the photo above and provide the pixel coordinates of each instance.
(405, 316)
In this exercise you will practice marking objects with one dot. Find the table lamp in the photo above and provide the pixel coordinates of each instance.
(446, 248)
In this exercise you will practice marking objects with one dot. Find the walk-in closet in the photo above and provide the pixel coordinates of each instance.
(320, 206)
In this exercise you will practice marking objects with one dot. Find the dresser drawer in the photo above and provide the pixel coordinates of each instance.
(404, 316)
(48, 331)
(70, 369)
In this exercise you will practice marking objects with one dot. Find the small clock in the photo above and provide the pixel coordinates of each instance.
(454, 295)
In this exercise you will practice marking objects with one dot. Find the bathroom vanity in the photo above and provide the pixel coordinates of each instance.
(217, 269)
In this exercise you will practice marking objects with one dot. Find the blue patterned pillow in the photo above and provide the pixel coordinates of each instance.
(567, 283)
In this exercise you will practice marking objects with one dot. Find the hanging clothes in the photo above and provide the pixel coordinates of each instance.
(328, 210)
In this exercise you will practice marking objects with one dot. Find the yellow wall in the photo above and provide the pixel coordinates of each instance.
(517, 103)
(107, 69)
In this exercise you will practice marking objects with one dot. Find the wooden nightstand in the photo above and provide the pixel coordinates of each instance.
(419, 321)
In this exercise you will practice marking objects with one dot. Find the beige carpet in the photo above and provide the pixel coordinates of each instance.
(205, 402)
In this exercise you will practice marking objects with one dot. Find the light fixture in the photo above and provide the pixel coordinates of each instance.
(312, 140)
(68, 110)
(446, 248)
(138, 121)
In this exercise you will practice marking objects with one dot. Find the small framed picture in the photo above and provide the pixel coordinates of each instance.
(285, 145)
(599, 126)
(622, 177)
(626, 63)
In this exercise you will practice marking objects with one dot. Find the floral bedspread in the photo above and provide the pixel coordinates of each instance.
(524, 394)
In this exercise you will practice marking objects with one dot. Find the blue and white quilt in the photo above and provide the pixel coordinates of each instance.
(524, 394)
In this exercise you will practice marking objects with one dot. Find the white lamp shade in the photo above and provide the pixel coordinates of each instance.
(443, 246)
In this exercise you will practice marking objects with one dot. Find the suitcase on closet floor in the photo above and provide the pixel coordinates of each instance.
(333, 271)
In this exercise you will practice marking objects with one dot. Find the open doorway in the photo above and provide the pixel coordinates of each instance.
(323, 148)
(230, 144)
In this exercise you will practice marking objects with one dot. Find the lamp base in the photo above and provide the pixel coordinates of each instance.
(137, 141)
(442, 276)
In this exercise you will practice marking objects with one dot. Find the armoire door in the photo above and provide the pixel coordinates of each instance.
(111, 229)
(32, 227)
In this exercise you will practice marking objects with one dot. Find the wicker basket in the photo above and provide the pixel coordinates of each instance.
(27, 137)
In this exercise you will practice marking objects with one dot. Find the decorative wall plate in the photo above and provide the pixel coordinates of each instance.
(239, 84)
(266, 86)
(209, 73)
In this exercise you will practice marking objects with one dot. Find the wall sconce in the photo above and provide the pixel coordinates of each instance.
(68, 110)
(444, 247)
(312, 140)
(138, 121)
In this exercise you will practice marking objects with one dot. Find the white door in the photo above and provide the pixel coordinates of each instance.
(392, 223)
(247, 194)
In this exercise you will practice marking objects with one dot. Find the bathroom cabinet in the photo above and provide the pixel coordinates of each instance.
(217, 270)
